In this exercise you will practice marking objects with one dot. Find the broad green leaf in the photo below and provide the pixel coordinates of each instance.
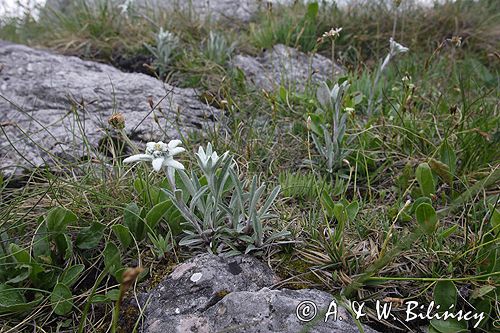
(41, 245)
(340, 213)
(490, 264)
(90, 237)
(484, 306)
(432, 330)
(174, 219)
(352, 210)
(99, 299)
(20, 254)
(113, 294)
(312, 10)
(417, 203)
(156, 213)
(123, 234)
(61, 299)
(58, 219)
(12, 300)
(449, 326)
(112, 258)
(448, 232)
(64, 245)
(484, 290)
(23, 257)
(132, 220)
(118, 274)
(425, 179)
(426, 217)
(148, 193)
(328, 204)
(71, 274)
(10, 296)
(24, 273)
(445, 295)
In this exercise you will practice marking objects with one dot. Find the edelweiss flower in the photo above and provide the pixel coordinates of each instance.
(125, 6)
(209, 158)
(396, 48)
(161, 155)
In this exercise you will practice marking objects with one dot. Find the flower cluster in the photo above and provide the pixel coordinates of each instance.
(160, 154)
(208, 160)
(332, 34)
(396, 48)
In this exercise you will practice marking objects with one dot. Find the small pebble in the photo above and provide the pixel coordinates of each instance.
(196, 277)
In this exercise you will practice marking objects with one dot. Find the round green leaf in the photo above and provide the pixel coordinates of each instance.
(61, 299)
(426, 217)
(445, 295)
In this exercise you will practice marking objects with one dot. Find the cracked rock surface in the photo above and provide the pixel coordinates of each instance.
(283, 65)
(56, 108)
(213, 294)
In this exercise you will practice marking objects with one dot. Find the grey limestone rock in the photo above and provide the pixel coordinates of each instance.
(241, 10)
(213, 294)
(283, 65)
(56, 108)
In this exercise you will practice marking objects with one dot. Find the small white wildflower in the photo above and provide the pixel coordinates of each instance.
(308, 123)
(332, 33)
(396, 48)
(166, 36)
(125, 6)
(160, 155)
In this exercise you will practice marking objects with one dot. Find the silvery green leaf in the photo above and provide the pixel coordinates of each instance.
(232, 253)
(257, 227)
(178, 195)
(187, 182)
(190, 241)
(278, 235)
(239, 190)
(319, 147)
(224, 176)
(334, 92)
(250, 248)
(196, 199)
(255, 196)
(207, 216)
(195, 181)
(323, 96)
(269, 201)
(246, 238)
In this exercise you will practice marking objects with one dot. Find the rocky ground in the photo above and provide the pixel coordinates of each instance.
(57, 108)
(212, 294)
